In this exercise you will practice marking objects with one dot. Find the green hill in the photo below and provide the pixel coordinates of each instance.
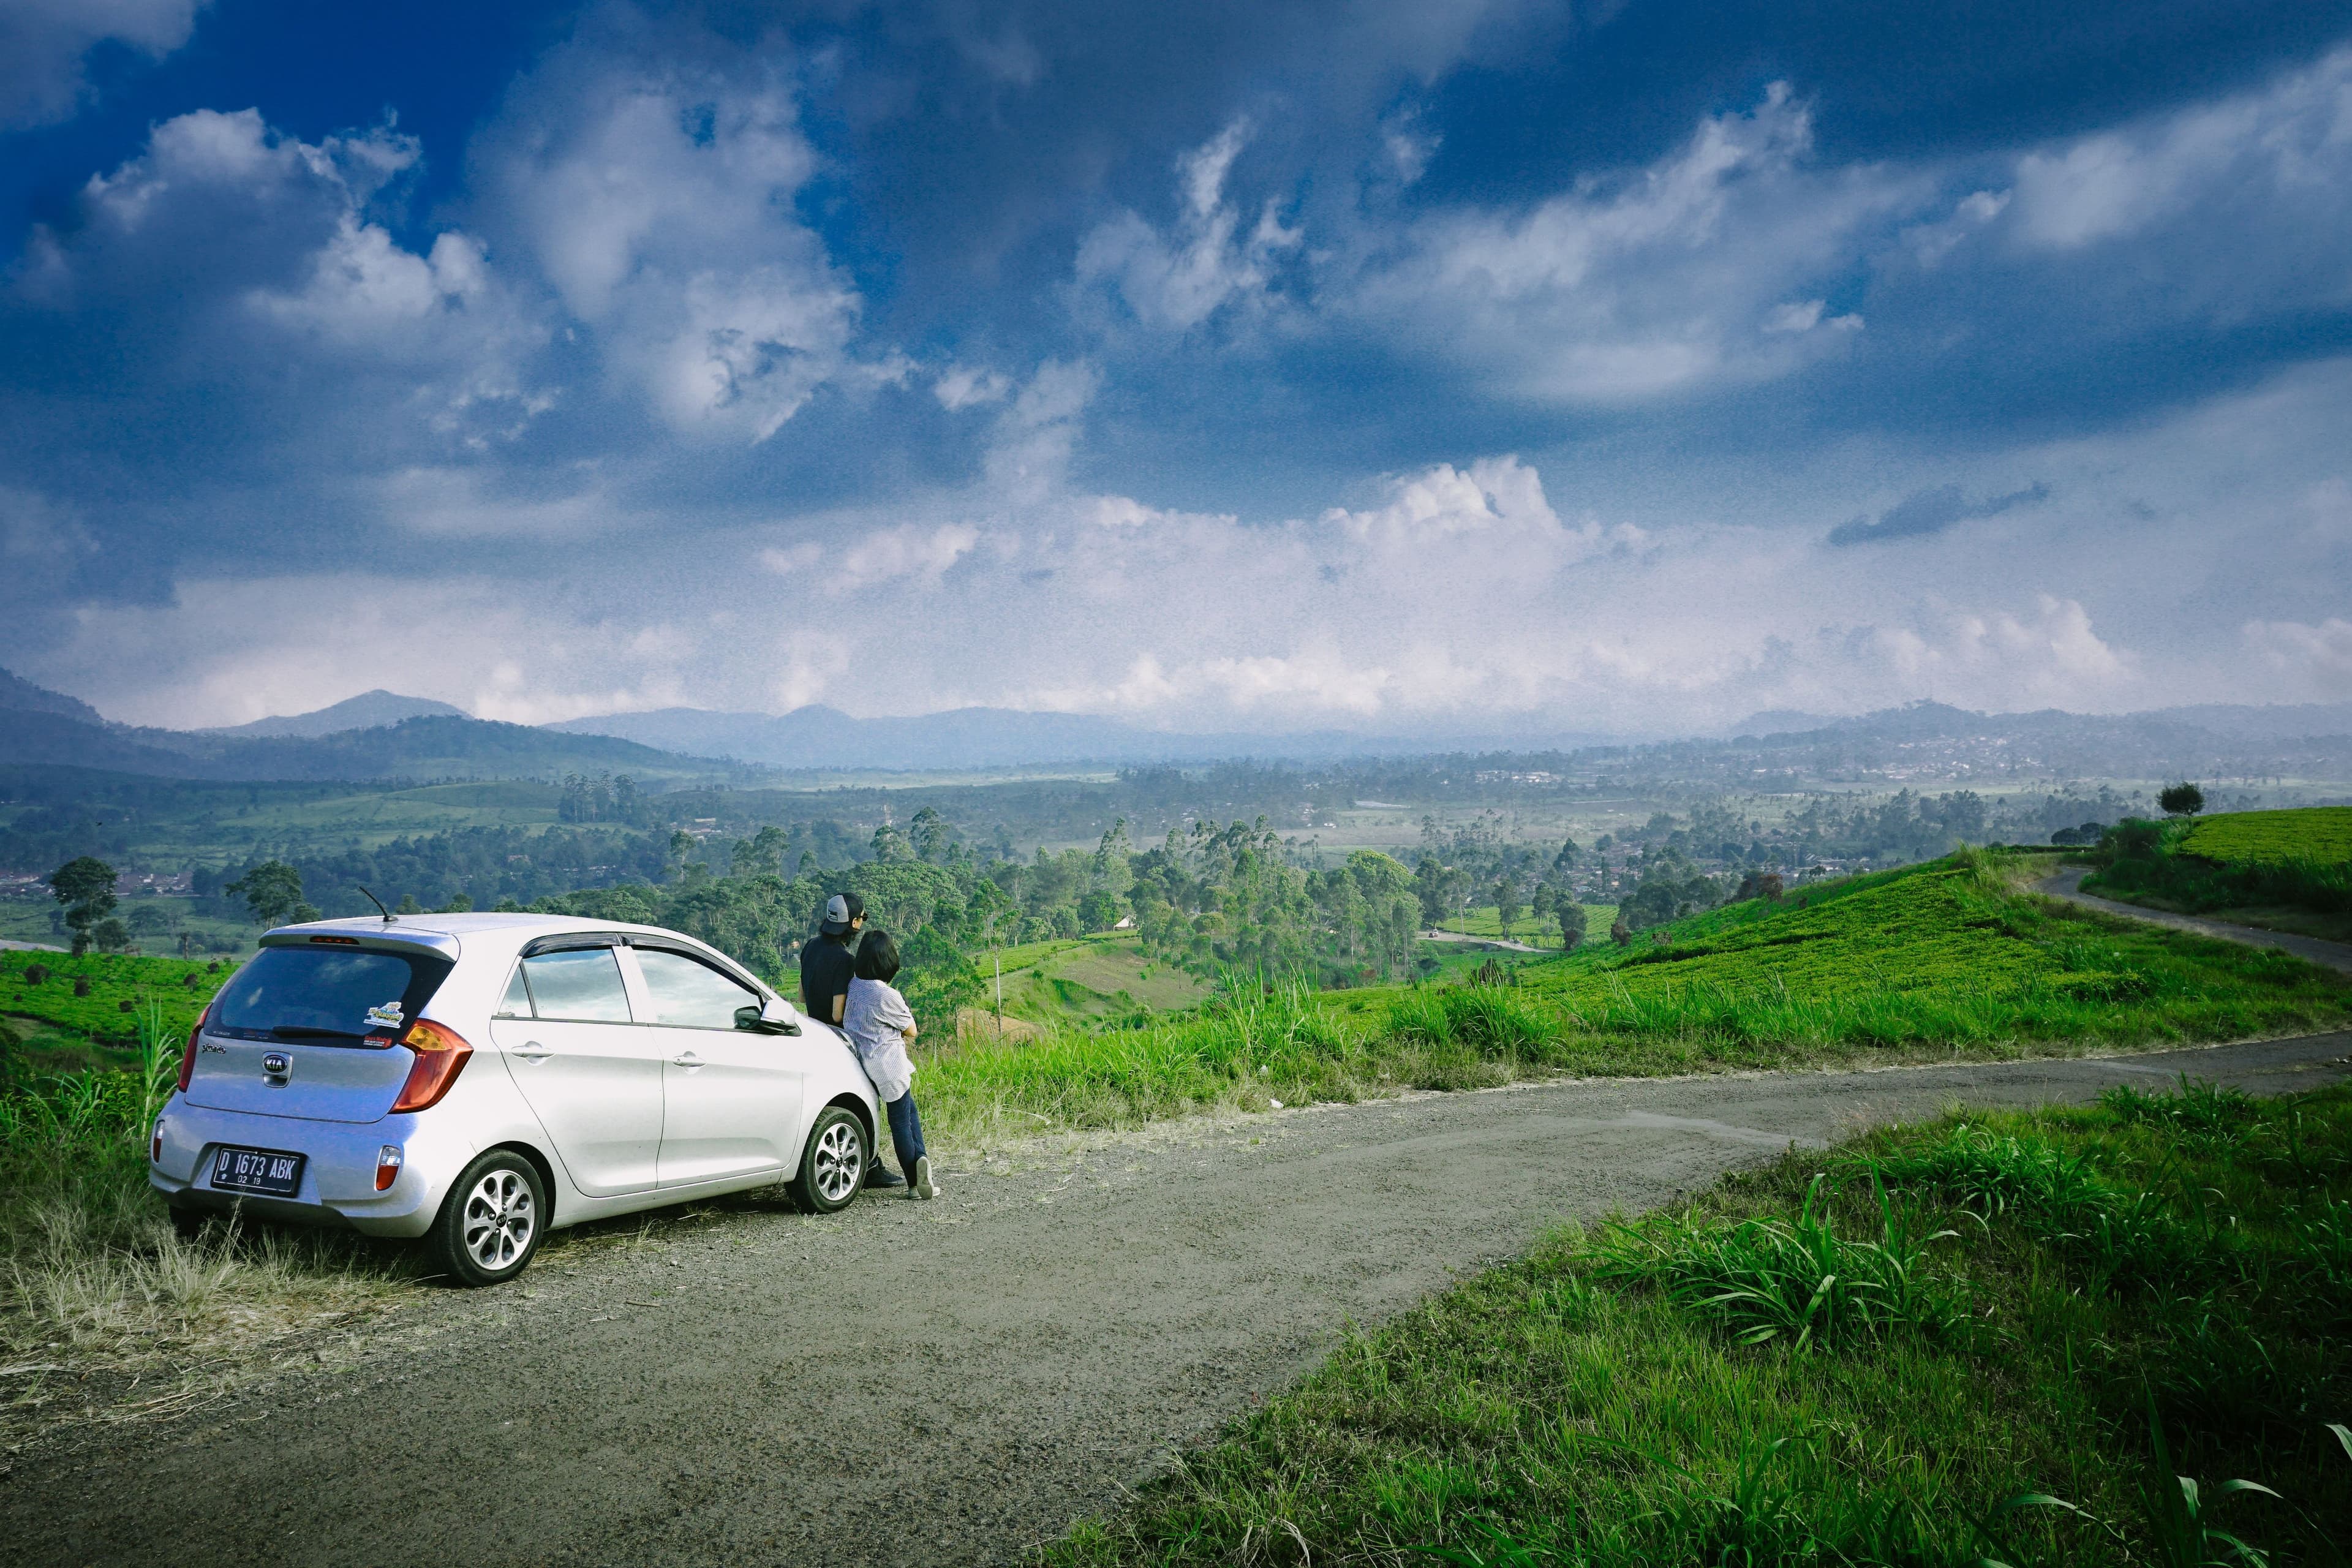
(1939, 952)
(2319, 834)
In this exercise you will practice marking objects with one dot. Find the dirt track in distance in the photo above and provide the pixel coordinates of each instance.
(936, 1384)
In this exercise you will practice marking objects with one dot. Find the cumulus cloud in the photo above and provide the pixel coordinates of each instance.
(43, 43)
(226, 251)
(2310, 662)
(1178, 279)
(657, 197)
(1928, 511)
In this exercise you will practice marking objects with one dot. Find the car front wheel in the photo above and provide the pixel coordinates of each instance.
(490, 1223)
(832, 1165)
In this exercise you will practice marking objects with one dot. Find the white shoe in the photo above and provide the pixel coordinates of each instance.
(920, 1187)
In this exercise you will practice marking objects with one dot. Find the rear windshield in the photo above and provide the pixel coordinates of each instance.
(335, 996)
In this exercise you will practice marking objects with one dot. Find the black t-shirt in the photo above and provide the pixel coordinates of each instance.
(827, 966)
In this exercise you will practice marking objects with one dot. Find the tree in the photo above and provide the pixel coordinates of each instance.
(2183, 799)
(1507, 907)
(1619, 933)
(930, 831)
(86, 887)
(1571, 923)
(272, 891)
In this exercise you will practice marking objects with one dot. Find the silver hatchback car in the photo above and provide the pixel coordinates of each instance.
(479, 1080)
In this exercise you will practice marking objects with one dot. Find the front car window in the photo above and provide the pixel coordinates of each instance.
(688, 994)
(580, 984)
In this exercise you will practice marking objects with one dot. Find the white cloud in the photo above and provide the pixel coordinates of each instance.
(1178, 280)
(237, 249)
(2308, 662)
(42, 42)
(1672, 277)
(2288, 141)
(873, 556)
(658, 199)
(959, 387)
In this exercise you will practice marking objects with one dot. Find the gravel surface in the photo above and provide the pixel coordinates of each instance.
(935, 1383)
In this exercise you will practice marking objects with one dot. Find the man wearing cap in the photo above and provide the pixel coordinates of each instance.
(828, 963)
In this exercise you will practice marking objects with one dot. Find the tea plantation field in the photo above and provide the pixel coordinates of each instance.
(1939, 951)
(2320, 834)
(117, 991)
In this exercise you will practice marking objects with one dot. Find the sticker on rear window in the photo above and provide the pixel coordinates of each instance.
(387, 1017)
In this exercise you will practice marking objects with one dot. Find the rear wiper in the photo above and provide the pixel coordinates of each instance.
(304, 1031)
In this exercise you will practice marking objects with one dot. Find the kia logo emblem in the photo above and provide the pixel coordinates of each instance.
(278, 1063)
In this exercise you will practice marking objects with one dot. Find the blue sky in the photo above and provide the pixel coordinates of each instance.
(1416, 367)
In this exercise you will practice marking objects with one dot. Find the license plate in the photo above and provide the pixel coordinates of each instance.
(258, 1171)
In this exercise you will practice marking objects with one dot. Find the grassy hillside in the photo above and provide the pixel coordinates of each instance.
(122, 990)
(2320, 833)
(2288, 870)
(1906, 1351)
(1939, 952)
(1927, 962)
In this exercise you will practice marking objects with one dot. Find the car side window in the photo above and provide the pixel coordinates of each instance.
(689, 993)
(516, 1004)
(581, 985)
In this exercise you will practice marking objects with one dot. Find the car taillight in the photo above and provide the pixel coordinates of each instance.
(188, 1051)
(388, 1161)
(441, 1054)
(155, 1155)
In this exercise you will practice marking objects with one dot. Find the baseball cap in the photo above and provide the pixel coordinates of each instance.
(841, 909)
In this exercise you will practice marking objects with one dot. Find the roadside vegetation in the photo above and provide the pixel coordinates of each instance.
(105, 1312)
(2113, 1334)
(2289, 871)
(1929, 963)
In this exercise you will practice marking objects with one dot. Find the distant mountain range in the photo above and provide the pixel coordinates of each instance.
(2270, 722)
(368, 711)
(382, 735)
(826, 738)
(40, 726)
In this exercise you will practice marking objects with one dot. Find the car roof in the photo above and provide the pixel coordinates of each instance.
(503, 932)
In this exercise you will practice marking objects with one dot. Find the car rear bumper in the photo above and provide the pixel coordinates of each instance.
(337, 1181)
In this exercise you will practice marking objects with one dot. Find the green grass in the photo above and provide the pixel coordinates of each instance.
(1486, 921)
(2289, 871)
(102, 1307)
(2315, 832)
(1927, 962)
(1998, 1338)
(122, 985)
(1938, 954)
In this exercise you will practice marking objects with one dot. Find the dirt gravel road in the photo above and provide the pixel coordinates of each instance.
(935, 1383)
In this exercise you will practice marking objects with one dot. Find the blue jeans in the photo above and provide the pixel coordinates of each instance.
(906, 1132)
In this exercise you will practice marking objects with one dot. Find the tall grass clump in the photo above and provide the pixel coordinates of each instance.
(1909, 1350)
(92, 1274)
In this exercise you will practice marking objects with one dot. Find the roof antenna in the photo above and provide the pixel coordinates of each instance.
(378, 903)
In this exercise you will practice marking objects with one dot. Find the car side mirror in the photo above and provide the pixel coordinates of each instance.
(774, 1016)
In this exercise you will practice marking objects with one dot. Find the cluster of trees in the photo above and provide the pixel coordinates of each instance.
(602, 797)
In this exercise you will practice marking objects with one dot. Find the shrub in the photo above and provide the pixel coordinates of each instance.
(2182, 799)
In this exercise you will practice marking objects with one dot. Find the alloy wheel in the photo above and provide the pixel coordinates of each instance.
(499, 1218)
(840, 1162)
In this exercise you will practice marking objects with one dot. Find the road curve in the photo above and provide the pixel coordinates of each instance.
(936, 1384)
(2068, 885)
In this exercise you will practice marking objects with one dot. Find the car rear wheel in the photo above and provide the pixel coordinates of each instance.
(490, 1223)
(832, 1165)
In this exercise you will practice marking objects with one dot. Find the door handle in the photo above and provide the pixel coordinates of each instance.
(688, 1060)
(532, 1051)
